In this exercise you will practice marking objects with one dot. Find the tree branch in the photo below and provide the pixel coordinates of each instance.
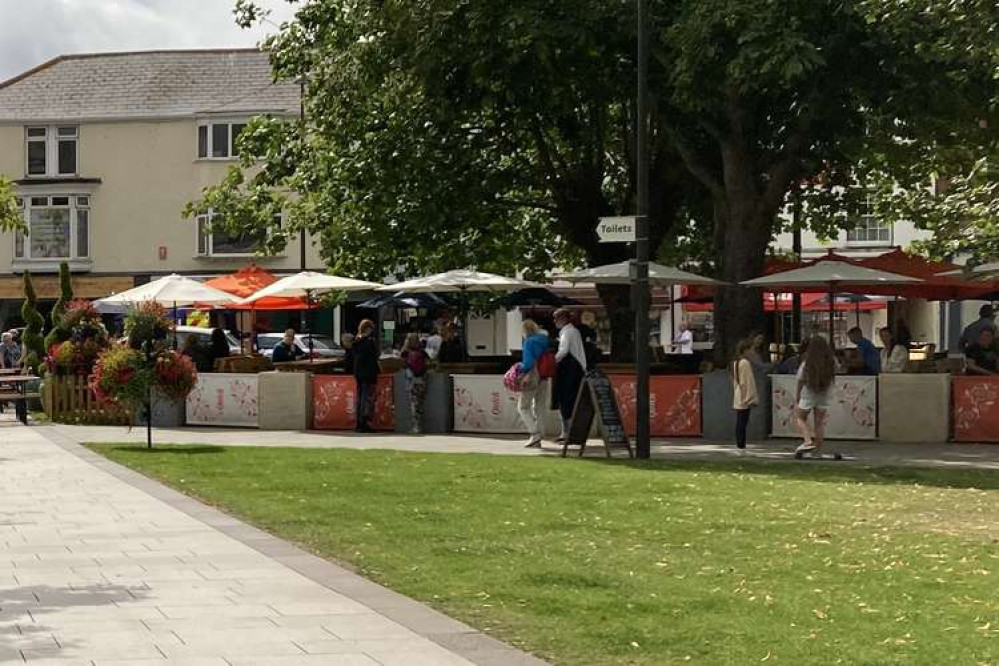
(697, 167)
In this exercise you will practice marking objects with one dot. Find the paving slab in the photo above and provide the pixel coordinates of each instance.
(104, 567)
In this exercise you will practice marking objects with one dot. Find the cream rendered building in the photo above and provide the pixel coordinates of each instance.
(106, 150)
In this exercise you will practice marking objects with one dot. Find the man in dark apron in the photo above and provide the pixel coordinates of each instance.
(569, 369)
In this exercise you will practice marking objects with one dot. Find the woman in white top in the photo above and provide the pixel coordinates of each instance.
(683, 343)
(744, 395)
(895, 353)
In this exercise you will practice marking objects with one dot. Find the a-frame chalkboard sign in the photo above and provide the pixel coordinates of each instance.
(596, 400)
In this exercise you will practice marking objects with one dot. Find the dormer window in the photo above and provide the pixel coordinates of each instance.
(52, 151)
(217, 140)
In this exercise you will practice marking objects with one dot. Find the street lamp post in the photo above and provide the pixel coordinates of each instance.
(641, 299)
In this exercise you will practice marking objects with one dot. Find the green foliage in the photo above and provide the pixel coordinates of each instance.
(147, 324)
(60, 332)
(82, 337)
(32, 342)
(123, 376)
(647, 564)
(10, 215)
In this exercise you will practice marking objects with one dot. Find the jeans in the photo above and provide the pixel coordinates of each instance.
(741, 425)
(417, 400)
(365, 403)
(529, 406)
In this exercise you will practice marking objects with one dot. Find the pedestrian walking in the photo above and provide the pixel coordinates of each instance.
(416, 360)
(531, 385)
(570, 366)
(744, 395)
(815, 381)
(365, 355)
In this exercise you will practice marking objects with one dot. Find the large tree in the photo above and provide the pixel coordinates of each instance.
(447, 132)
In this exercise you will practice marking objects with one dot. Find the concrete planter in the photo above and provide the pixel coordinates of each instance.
(167, 412)
(437, 416)
(285, 400)
(913, 408)
(719, 417)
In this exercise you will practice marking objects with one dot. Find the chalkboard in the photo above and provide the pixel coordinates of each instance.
(596, 399)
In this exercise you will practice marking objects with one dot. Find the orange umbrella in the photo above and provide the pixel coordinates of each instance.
(249, 280)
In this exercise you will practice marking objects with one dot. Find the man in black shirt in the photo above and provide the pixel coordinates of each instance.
(981, 357)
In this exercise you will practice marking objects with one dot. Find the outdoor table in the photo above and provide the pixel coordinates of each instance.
(224, 399)
(14, 388)
(976, 408)
(674, 404)
(852, 410)
(325, 366)
(483, 404)
(913, 407)
(334, 403)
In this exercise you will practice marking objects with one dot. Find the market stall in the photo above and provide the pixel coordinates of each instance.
(674, 404)
(913, 407)
(852, 412)
(224, 400)
(976, 408)
(334, 399)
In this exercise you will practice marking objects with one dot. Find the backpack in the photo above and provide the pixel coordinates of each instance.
(546, 365)
(416, 362)
(511, 380)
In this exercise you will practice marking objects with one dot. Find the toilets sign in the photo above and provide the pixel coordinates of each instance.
(616, 229)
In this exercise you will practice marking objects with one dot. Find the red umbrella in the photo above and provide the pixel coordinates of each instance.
(249, 280)
(933, 287)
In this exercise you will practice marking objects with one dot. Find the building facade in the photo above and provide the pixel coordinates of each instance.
(107, 149)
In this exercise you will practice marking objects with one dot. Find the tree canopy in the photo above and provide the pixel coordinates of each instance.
(10, 214)
(443, 133)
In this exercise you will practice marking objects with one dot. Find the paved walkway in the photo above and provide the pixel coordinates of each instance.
(101, 566)
(940, 455)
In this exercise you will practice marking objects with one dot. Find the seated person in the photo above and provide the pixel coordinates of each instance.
(286, 350)
(200, 357)
(981, 357)
(869, 355)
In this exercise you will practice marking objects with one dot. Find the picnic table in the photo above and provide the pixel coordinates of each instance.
(14, 388)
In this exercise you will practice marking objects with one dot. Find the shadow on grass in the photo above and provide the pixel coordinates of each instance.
(169, 449)
(820, 471)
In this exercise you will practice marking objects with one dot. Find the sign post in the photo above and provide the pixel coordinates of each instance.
(643, 355)
(617, 229)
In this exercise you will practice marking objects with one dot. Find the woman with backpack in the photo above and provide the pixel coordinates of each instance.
(365, 352)
(415, 359)
(815, 381)
(531, 383)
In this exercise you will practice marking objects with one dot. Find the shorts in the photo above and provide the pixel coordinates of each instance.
(810, 400)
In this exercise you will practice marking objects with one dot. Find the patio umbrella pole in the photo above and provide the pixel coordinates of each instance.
(308, 307)
(832, 312)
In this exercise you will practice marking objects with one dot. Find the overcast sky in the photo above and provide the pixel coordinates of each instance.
(33, 31)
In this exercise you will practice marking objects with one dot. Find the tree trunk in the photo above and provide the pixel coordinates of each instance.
(739, 310)
(617, 301)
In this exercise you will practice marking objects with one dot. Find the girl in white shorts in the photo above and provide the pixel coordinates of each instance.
(815, 380)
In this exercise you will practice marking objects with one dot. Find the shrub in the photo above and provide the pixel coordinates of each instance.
(32, 343)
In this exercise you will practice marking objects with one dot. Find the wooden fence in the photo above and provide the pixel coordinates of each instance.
(69, 399)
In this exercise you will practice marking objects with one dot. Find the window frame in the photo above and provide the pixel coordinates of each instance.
(207, 126)
(76, 202)
(205, 220)
(52, 140)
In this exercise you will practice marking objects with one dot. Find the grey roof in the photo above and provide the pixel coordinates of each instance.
(153, 84)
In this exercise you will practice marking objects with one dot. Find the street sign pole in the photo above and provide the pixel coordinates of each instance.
(643, 445)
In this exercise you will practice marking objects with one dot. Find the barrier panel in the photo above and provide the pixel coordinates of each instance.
(483, 404)
(674, 404)
(334, 399)
(913, 407)
(852, 410)
(976, 409)
(224, 400)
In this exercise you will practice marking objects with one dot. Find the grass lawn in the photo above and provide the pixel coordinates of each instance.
(588, 562)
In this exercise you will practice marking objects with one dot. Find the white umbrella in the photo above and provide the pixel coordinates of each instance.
(832, 275)
(987, 271)
(305, 285)
(459, 280)
(620, 273)
(170, 291)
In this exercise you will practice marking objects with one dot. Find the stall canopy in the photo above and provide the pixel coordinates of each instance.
(305, 285)
(461, 280)
(936, 283)
(170, 291)
(620, 273)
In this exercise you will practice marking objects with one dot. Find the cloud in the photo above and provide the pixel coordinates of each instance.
(33, 31)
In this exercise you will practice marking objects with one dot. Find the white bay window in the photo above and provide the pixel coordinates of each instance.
(58, 228)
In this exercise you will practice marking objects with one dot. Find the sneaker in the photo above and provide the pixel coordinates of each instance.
(805, 447)
(741, 452)
(533, 443)
(416, 431)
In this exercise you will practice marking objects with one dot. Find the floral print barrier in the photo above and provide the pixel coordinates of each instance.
(334, 400)
(976, 409)
(220, 399)
(674, 404)
(852, 413)
(483, 404)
